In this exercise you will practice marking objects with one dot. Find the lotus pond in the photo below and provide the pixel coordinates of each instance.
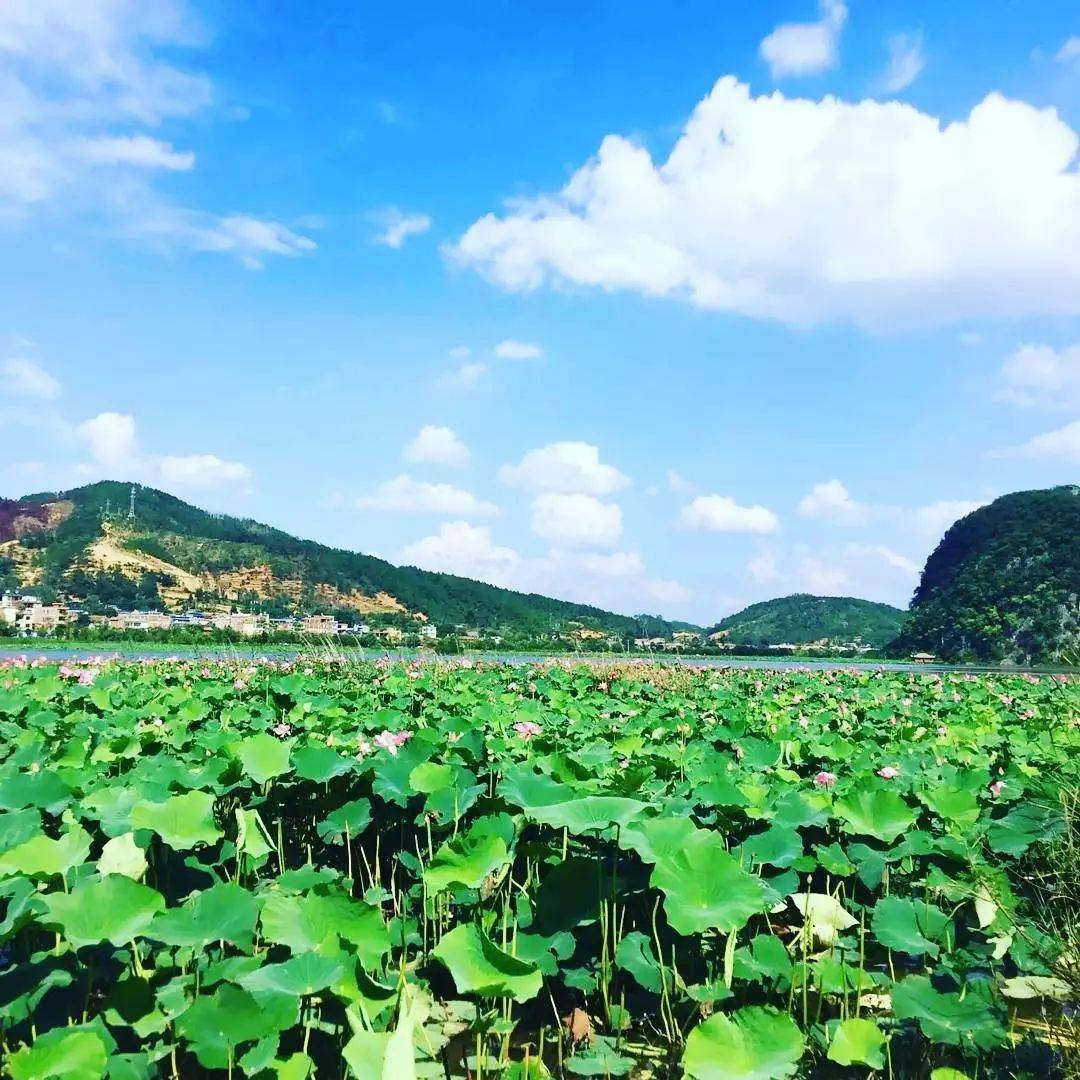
(385, 871)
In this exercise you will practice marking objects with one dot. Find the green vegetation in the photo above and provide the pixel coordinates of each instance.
(197, 541)
(395, 872)
(1004, 583)
(802, 618)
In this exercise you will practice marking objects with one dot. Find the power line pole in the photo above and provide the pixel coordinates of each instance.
(131, 504)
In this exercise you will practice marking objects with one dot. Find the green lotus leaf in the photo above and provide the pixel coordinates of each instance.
(467, 859)
(1028, 987)
(1014, 833)
(636, 955)
(44, 790)
(593, 813)
(653, 839)
(957, 805)
(217, 1024)
(766, 959)
(857, 1042)
(71, 1053)
(304, 974)
(755, 1043)
(304, 923)
(44, 857)
(705, 888)
(478, 966)
(599, 1058)
(182, 821)
(18, 826)
(114, 908)
(910, 926)
(947, 1018)
(350, 818)
(223, 912)
(833, 976)
(875, 811)
(569, 895)
(319, 764)
(122, 855)
(263, 756)
(777, 846)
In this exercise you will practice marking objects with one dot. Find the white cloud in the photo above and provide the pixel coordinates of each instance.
(886, 554)
(934, 519)
(437, 446)
(405, 495)
(567, 467)
(1063, 443)
(81, 84)
(806, 211)
(397, 226)
(678, 484)
(667, 591)
(464, 377)
(25, 378)
(618, 564)
(1069, 51)
(906, 62)
(140, 151)
(111, 440)
(805, 48)
(822, 578)
(461, 548)
(518, 350)
(1043, 376)
(763, 568)
(721, 513)
(202, 471)
(576, 519)
(832, 502)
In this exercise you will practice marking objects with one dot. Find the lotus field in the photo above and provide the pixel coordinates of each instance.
(382, 870)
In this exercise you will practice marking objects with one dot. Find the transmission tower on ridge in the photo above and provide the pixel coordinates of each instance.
(131, 504)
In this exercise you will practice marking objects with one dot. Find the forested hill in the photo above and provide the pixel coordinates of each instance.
(82, 540)
(803, 618)
(1004, 583)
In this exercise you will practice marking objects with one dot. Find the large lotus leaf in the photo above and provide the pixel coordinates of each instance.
(305, 922)
(182, 821)
(910, 926)
(824, 914)
(478, 966)
(71, 1053)
(766, 959)
(18, 826)
(351, 819)
(1014, 833)
(1029, 987)
(755, 1043)
(114, 908)
(223, 912)
(800, 809)
(262, 756)
(224, 1020)
(947, 1018)
(304, 974)
(956, 805)
(875, 811)
(44, 857)
(590, 813)
(122, 855)
(524, 787)
(857, 1042)
(469, 858)
(636, 955)
(656, 838)
(705, 888)
(777, 846)
(319, 763)
(833, 976)
(42, 789)
(600, 1058)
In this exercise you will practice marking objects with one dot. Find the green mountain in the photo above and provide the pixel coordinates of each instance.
(1004, 583)
(802, 618)
(83, 544)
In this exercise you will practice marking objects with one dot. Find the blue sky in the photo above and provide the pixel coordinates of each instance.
(668, 310)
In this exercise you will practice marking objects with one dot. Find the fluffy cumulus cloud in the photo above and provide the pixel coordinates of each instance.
(721, 513)
(573, 467)
(112, 445)
(26, 378)
(1060, 444)
(404, 494)
(934, 519)
(461, 548)
(435, 445)
(1042, 376)
(763, 568)
(906, 62)
(832, 502)
(805, 211)
(894, 559)
(822, 578)
(806, 48)
(82, 88)
(510, 349)
(397, 226)
(576, 519)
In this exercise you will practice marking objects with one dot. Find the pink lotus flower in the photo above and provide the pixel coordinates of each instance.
(87, 677)
(527, 729)
(391, 741)
(997, 787)
(825, 779)
(888, 772)
(239, 684)
(282, 730)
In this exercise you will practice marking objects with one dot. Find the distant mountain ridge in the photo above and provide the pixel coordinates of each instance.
(1004, 583)
(82, 543)
(803, 618)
